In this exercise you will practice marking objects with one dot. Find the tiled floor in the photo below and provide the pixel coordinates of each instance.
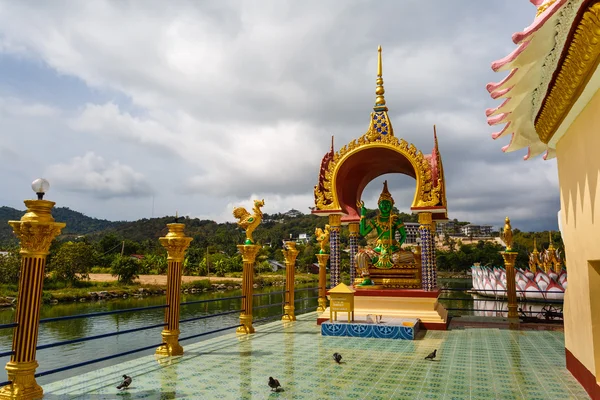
(471, 364)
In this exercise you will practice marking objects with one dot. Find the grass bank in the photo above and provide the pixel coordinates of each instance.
(59, 292)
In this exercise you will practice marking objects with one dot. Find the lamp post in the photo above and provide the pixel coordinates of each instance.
(35, 231)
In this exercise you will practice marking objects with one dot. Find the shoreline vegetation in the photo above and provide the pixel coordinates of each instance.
(106, 287)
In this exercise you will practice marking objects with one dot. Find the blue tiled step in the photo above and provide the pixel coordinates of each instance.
(398, 329)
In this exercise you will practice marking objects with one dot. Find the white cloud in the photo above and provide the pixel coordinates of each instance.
(216, 100)
(95, 176)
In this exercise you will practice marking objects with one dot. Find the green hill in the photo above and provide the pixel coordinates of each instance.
(77, 223)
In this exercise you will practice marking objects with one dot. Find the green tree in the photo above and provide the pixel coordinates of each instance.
(125, 268)
(10, 265)
(72, 262)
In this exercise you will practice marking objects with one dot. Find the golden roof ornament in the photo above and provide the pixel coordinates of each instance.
(379, 90)
(507, 234)
(385, 194)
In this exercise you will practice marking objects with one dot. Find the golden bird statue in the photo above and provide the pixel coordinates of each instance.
(322, 237)
(248, 221)
(507, 234)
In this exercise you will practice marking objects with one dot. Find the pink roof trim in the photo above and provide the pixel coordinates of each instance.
(496, 119)
(496, 135)
(493, 86)
(490, 111)
(500, 93)
(512, 136)
(538, 22)
(526, 156)
(496, 65)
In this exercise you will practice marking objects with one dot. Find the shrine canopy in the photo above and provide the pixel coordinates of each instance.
(344, 174)
(553, 75)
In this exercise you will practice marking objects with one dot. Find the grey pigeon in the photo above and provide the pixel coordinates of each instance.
(337, 357)
(431, 355)
(126, 382)
(274, 384)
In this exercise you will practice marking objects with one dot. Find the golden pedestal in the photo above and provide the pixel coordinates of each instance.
(170, 346)
(402, 303)
(402, 276)
(23, 384)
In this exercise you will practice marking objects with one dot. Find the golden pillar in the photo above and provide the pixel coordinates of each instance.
(176, 244)
(35, 231)
(322, 281)
(510, 257)
(249, 252)
(290, 253)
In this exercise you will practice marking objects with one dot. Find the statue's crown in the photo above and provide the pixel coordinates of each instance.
(385, 194)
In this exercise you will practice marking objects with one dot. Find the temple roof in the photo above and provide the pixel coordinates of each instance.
(547, 73)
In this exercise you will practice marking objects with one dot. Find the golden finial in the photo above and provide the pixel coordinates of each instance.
(385, 194)
(379, 91)
(550, 245)
(507, 234)
(534, 245)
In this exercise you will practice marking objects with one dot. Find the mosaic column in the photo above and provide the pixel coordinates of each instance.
(354, 235)
(434, 254)
(176, 244)
(427, 252)
(249, 252)
(322, 281)
(35, 231)
(335, 225)
(289, 253)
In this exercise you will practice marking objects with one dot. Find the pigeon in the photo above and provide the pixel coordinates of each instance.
(126, 382)
(369, 319)
(431, 355)
(274, 384)
(337, 357)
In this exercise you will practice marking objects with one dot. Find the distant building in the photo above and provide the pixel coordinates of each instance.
(412, 232)
(477, 230)
(293, 213)
(449, 227)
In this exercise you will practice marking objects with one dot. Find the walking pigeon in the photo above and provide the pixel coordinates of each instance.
(431, 355)
(126, 382)
(274, 384)
(337, 357)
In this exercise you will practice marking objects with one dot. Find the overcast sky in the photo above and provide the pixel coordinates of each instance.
(135, 109)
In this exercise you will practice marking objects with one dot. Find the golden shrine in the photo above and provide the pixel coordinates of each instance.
(384, 266)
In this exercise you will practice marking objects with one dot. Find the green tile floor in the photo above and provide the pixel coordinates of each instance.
(472, 364)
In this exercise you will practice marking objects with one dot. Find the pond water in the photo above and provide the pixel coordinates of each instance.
(69, 354)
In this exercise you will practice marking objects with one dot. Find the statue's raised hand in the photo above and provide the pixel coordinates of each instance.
(361, 205)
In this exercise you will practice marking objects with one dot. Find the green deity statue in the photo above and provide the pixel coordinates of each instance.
(386, 252)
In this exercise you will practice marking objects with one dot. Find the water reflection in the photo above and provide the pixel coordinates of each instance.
(464, 303)
(80, 352)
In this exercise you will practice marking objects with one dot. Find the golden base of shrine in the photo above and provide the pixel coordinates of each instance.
(402, 303)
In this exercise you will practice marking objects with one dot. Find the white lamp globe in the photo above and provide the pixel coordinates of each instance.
(40, 186)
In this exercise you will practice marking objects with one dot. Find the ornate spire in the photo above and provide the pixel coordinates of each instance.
(379, 91)
(385, 194)
(535, 251)
(550, 245)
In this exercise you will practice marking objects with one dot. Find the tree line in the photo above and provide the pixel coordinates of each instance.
(129, 249)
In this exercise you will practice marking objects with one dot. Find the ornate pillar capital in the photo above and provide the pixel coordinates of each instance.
(175, 242)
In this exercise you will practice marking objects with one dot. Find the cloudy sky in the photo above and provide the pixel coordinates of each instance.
(135, 109)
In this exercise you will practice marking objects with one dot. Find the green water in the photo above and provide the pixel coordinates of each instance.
(69, 354)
